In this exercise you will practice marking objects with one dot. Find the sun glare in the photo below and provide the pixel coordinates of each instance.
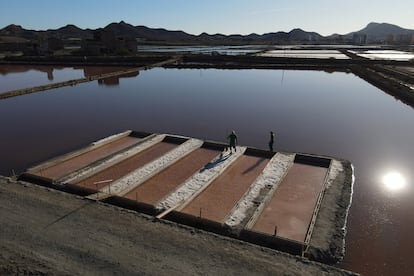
(394, 181)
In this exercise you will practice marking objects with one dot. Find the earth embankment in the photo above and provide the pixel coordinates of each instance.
(45, 231)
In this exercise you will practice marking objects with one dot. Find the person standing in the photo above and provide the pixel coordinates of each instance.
(271, 141)
(233, 141)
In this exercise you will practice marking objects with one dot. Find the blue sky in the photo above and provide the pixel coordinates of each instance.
(213, 16)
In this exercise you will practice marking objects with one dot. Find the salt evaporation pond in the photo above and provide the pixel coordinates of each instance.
(304, 54)
(207, 50)
(385, 54)
(334, 114)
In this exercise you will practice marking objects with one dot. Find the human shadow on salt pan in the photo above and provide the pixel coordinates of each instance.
(215, 163)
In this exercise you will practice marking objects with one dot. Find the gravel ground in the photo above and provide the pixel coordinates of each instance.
(47, 232)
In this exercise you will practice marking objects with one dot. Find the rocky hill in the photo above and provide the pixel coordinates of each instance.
(374, 31)
(383, 31)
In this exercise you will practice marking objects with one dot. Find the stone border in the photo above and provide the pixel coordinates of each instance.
(327, 243)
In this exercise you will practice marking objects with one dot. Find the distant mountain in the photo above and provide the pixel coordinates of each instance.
(382, 32)
(376, 32)
(296, 35)
(70, 31)
(17, 31)
(299, 34)
(142, 32)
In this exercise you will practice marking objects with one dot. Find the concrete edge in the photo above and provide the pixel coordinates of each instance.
(327, 244)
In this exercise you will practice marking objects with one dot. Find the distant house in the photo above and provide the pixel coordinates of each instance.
(15, 45)
(47, 45)
(404, 39)
(359, 39)
(400, 39)
(105, 42)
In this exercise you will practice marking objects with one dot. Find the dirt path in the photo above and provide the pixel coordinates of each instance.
(44, 231)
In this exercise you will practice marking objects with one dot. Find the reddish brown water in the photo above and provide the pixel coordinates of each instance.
(121, 169)
(221, 196)
(292, 205)
(63, 168)
(14, 77)
(163, 183)
(334, 114)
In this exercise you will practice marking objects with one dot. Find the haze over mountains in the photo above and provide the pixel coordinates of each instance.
(373, 32)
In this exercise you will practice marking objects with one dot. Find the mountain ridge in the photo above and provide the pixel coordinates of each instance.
(374, 32)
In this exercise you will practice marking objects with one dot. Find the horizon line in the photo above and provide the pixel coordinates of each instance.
(204, 32)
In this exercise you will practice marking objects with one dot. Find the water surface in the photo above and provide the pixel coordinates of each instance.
(334, 54)
(13, 77)
(207, 50)
(334, 114)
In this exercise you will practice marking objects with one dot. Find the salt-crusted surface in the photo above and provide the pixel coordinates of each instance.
(93, 169)
(133, 179)
(200, 179)
(327, 242)
(111, 138)
(335, 168)
(271, 176)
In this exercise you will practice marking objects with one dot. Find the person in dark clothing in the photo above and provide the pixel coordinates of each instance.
(272, 140)
(233, 141)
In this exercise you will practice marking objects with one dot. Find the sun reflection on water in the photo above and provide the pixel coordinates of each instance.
(394, 181)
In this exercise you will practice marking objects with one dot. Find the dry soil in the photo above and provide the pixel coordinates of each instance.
(47, 232)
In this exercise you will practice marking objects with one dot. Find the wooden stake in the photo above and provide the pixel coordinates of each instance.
(103, 181)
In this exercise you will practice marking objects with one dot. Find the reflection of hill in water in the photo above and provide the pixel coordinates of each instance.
(87, 72)
(111, 81)
(13, 69)
(114, 81)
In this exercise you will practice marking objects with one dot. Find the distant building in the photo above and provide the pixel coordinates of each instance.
(106, 42)
(389, 39)
(404, 39)
(48, 45)
(359, 39)
(23, 47)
